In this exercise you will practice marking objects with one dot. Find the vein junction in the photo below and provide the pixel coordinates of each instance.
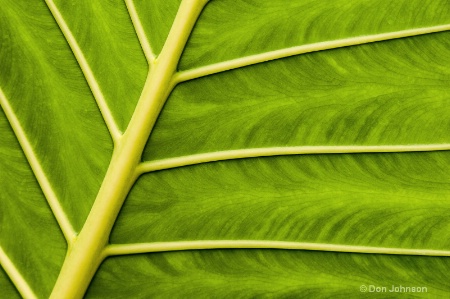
(277, 151)
(88, 249)
(308, 48)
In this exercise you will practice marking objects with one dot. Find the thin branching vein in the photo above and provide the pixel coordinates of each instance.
(44, 183)
(86, 69)
(143, 40)
(297, 50)
(15, 276)
(279, 151)
(122, 249)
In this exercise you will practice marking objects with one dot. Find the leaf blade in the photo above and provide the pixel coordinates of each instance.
(383, 96)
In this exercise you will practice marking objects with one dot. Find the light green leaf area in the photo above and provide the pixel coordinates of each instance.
(224, 149)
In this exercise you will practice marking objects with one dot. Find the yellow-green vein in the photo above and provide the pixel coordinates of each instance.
(86, 69)
(145, 44)
(121, 249)
(278, 151)
(297, 50)
(49, 193)
(15, 276)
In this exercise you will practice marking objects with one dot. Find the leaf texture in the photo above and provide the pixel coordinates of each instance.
(226, 149)
(230, 29)
(7, 287)
(266, 274)
(374, 94)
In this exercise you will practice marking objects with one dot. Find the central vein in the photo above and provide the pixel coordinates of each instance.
(88, 251)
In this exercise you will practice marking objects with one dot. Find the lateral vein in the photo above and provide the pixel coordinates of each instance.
(88, 74)
(15, 276)
(145, 44)
(297, 50)
(47, 190)
(123, 249)
(168, 163)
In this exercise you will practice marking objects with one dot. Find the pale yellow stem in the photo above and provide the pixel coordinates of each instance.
(285, 150)
(121, 249)
(297, 50)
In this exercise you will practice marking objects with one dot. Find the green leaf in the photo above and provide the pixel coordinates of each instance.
(224, 149)
(8, 290)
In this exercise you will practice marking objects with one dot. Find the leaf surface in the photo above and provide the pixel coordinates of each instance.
(224, 148)
(7, 287)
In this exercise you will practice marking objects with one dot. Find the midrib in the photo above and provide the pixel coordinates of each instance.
(88, 250)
